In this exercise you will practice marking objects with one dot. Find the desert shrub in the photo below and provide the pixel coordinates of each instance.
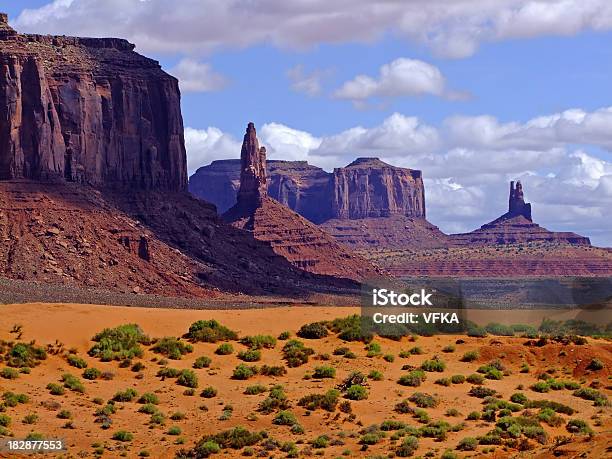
(467, 444)
(412, 379)
(473, 416)
(295, 353)
(449, 349)
(24, 355)
(251, 355)
(174, 430)
(55, 389)
(457, 379)
(126, 396)
(497, 329)
(259, 342)
(148, 408)
(276, 400)
(470, 356)
(236, 438)
(324, 371)
(122, 435)
(73, 383)
(540, 386)
(314, 330)
(389, 358)
(31, 418)
(392, 425)
(242, 372)
(403, 407)
(64, 414)
(284, 336)
(224, 349)
(423, 400)
(448, 454)
(341, 350)
(327, 401)
(356, 392)
(11, 399)
(167, 372)
(549, 416)
(588, 393)
(475, 378)
(408, 447)
(210, 331)
(476, 332)
(578, 426)
(157, 418)
(122, 342)
(92, 373)
(416, 350)
(255, 389)
(443, 382)
(202, 449)
(9, 373)
(208, 392)
(373, 349)
(436, 429)
(149, 397)
(285, 418)
(5, 420)
(171, 347)
(595, 365)
(187, 378)
(202, 362)
(350, 329)
(519, 397)
(267, 370)
(376, 375)
(481, 392)
(76, 361)
(433, 365)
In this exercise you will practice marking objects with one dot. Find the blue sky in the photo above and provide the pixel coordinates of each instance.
(464, 99)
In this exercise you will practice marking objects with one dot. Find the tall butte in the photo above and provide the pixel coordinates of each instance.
(290, 235)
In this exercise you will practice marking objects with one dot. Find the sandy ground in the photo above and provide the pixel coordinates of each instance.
(75, 325)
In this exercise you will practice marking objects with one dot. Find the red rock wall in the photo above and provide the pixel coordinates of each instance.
(88, 110)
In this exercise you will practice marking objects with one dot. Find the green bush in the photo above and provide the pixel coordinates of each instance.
(467, 444)
(295, 353)
(412, 379)
(408, 447)
(210, 331)
(350, 329)
(594, 395)
(540, 386)
(149, 397)
(259, 342)
(203, 449)
(122, 435)
(76, 361)
(376, 375)
(64, 414)
(9, 373)
(499, 329)
(481, 392)
(224, 349)
(470, 356)
(31, 418)
(387, 426)
(242, 372)
(449, 349)
(284, 336)
(356, 392)
(433, 365)
(208, 392)
(475, 378)
(276, 400)
(24, 355)
(92, 373)
(171, 347)
(174, 430)
(255, 389)
(389, 358)
(595, 365)
(126, 396)
(202, 362)
(267, 370)
(578, 426)
(236, 438)
(5, 420)
(457, 379)
(322, 441)
(314, 330)
(327, 401)
(324, 371)
(148, 408)
(473, 416)
(251, 355)
(187, 378)
(443, 382)
(519, 397)
(167, 372)
(122, 342)
(423, 400)
(285, 418)
(73, 383)
(55, 389)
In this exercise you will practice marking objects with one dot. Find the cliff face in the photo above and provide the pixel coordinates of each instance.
(369, 188)
(88, 110)
(366, 188)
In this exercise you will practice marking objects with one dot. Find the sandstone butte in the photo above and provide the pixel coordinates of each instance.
(93, 180)
(290, 235)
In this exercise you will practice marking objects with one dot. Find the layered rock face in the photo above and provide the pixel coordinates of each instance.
(516, 226)
(369, 188)
(88, 110)
(301, 242)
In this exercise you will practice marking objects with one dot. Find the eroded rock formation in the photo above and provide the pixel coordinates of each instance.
(253, 183)
(88, 110)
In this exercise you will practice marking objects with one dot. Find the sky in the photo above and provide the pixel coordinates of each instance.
(475, 93)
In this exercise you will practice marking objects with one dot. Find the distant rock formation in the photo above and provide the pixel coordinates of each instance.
(301, 242)
(516, 226)
(88, 110)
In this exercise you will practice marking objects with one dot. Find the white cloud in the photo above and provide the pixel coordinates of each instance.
(206, 145)
(307, 83)
(402, 77)
(197, 76)
(454, 29)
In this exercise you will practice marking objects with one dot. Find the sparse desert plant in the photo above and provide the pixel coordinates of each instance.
(423, 400)
(167, 372)
(467, 444)
(73, 383)
(76, 361)
(350, 329)
(594, 395)
(174, 430)
(482, 392)
(474, 416)
(236, 438)
(284, 336)
(224, 349)
(389, 358)
(208, 392)
(409, 445)
(251, 355)
(123, 435)
(177, 416)
(375, 375)
(356, 392)
(202, 362)
(9, 373)
(148, 408)
(5, 420)
(457, 379)
(443, 382)
(578, 426)
(324, 371)
(285, 418)
(255, 389)
(295, 353)
(24, 355)
(187, 378)
(64, 414)
(242, 372)
(470, 356)
(314, 330)
(172, 347)
(449, 348)
(519, 397)
(267, 370)
(55, 389)
(433, 365)
(92, 373)
(276, 400)
(540, 386)
(595, 365)
(210, 331)
(475, 378)
(138, 366)
(125, 396)
(327, 401)
(122, 342)
(259, 341)
(412, 379)
(31, 418)
(149, 397)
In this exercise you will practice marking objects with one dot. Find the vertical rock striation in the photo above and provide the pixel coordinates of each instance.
(253, 182)
(88, 110)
